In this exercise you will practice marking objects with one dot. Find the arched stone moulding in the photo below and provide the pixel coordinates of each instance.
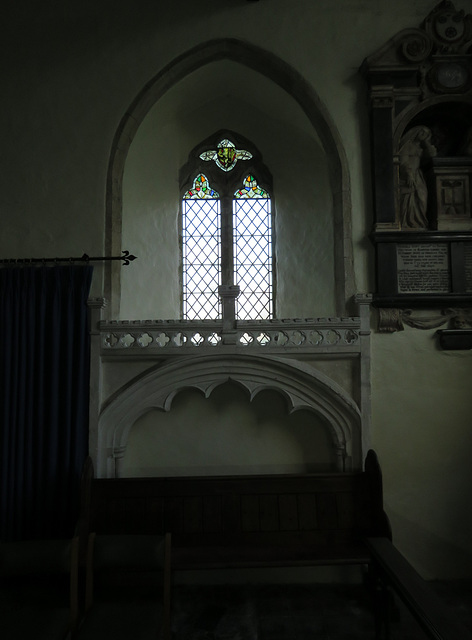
(291, 81)
(415, 110)
(302, 386)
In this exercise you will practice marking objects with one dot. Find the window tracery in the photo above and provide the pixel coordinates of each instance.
(227, 237)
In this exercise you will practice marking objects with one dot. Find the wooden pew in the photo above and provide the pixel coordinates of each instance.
(219, 522)
(248, 521)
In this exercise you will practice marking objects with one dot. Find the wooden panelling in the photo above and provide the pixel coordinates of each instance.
(248, 504)
(288, 515)
(307, 514)
(269, 512)
(193, 513)
(250, 513)
(212, 520)
(326, 509)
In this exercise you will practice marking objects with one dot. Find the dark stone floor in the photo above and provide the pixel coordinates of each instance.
(233, 612)
(298, 612)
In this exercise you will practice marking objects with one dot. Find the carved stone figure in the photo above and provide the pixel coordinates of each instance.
(415, 147)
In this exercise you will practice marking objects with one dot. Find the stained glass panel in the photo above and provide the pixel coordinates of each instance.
(226, 155)
(201, 189)
(251, 189)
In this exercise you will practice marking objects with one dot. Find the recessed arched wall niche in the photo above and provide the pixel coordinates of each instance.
(232, 86)
(332, 413)
(229, 84)
(227, 433)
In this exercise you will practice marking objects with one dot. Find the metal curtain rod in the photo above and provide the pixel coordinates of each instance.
(126, 257)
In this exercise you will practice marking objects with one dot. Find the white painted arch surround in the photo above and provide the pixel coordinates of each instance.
(287, 78)
(302, 386)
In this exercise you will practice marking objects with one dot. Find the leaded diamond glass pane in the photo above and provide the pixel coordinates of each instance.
(201, 258)
(252, 228)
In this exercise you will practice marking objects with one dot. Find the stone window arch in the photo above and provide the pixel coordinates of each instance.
(272, 70)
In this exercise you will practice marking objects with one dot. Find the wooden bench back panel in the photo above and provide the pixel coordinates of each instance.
(311, 509)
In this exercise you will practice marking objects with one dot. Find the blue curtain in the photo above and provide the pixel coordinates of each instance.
(44, 398)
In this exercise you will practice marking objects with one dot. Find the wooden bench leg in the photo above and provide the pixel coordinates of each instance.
(166, 615)
(74, 587)
(89, 572)
(381, 604)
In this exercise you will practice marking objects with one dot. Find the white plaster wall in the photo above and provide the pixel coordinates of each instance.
(422, 403)
(69, 75)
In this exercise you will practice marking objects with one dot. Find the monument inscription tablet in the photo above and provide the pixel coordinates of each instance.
(423, 268)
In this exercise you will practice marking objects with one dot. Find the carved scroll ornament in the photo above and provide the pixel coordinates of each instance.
(391, 320)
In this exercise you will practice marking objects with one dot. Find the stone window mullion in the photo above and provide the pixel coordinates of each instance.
(227, 254)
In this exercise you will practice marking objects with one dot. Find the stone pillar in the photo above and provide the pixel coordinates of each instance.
(364, 301)
(228, 295)
(382, 157)
(118, 455)
(342, 463)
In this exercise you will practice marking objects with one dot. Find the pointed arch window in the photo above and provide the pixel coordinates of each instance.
(227, 237)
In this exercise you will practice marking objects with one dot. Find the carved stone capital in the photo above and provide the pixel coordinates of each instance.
(228, 291)
(382, 101)
(97, 303)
